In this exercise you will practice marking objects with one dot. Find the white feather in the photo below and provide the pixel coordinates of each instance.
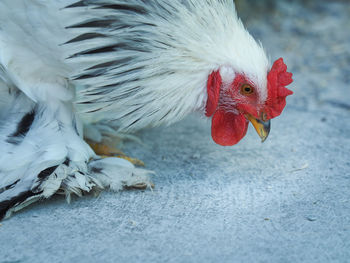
(169, 64)
(165, 54)
(135, 62)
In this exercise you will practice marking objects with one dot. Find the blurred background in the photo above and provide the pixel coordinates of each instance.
(314, 36)
(287, 200)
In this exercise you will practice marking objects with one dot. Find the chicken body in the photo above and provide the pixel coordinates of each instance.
(65, 64)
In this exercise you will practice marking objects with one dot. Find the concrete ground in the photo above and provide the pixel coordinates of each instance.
(286, 200)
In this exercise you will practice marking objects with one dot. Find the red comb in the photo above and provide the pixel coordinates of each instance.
(277, 79)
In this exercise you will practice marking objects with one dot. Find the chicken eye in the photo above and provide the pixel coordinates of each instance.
(246, 89)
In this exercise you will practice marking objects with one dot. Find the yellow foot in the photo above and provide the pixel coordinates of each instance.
(105, 151)
(140, 186)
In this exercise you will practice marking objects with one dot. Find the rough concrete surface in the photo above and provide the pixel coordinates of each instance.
(286, 200)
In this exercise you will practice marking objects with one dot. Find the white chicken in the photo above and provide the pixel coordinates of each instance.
(68, 65)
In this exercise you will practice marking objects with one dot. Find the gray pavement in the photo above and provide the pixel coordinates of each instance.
(286, 200)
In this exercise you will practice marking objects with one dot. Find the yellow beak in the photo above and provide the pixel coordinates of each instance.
(261, 127)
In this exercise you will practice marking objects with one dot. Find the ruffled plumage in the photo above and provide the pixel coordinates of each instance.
(135, 63)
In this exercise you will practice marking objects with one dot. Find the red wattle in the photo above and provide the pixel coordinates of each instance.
(228, 128)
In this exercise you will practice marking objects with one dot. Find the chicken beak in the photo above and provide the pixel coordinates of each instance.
(261, 127)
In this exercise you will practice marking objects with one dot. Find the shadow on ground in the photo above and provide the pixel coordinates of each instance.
(286, 200)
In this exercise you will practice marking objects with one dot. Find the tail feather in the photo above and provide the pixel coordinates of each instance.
(111, 173)
(16, 202)
(23, 192)
(35, 142)
(42, 153)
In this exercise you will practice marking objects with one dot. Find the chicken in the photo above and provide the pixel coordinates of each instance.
(72, 69)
